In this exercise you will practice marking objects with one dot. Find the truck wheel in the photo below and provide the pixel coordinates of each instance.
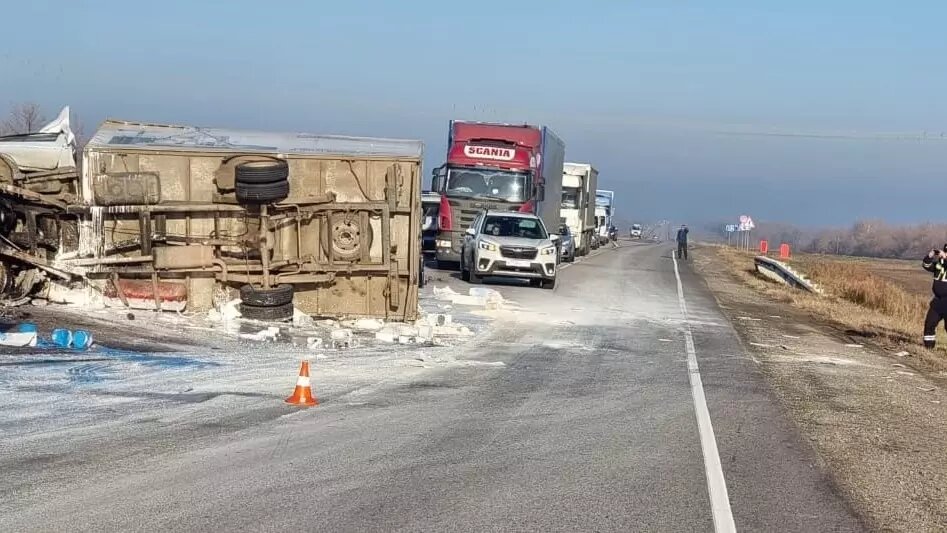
(262, 193)
(273, 297)
(257, 172)
(277, 313)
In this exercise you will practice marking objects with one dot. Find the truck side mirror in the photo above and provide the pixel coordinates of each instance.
(437, 179)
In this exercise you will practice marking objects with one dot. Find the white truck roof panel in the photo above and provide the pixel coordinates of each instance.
(131, 135)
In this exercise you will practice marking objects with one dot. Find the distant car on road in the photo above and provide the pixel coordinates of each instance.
(636, 231)
(566, 244)
(509, 244)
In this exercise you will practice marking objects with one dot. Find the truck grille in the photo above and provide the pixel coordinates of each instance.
(518, 252)
(467, 217)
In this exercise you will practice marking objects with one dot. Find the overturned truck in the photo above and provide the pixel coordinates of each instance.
(177, 217)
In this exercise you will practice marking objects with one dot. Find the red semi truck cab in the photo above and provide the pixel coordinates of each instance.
(496, 166)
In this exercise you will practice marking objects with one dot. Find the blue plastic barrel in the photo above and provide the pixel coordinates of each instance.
(81, 339)
(27, 327)
(62, 337)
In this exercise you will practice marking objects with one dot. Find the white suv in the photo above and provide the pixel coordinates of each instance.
(509, 244)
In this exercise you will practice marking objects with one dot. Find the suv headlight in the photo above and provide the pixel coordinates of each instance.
(489, 246)
(549, 250)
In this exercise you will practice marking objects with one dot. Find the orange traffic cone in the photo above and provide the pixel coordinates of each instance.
(303, 393)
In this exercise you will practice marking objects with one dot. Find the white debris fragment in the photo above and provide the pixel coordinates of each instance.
(230, 310)
(269, 333)
(902, 354)
(313, 343)
(488, 294)
(426, 332)
(404, 339)
(302, 320)
(386, 335)
(341, 334)
(452, 331)
(18, 338)
(368, 324)
(406, 330)
(328, 323)
(444, 293)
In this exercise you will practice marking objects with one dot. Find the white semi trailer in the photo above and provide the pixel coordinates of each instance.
(578, 203)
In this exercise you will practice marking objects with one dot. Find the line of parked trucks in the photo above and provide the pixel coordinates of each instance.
(494, 169)
(169, 217)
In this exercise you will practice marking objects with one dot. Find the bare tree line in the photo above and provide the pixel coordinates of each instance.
(865, 238)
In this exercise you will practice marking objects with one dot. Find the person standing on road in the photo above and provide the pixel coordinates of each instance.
(936, 262)
(682, 242)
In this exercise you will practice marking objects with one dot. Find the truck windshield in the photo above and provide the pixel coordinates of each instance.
(486, 183)
(570, 198)
(525, 227)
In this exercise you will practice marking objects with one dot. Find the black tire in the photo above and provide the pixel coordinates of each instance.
(272, 297)
(472, 277)
(257, 172)
(548, 284)
(276, 313)
(262, 193)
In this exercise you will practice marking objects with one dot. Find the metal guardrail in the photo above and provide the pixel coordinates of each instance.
(783, 273)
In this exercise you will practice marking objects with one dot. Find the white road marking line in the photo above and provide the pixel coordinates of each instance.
(716, 484)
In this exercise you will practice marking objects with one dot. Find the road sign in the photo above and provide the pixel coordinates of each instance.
(731, 228)
(746, 223)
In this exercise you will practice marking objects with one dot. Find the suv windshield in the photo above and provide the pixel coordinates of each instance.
(570, 198)
(486, 183)
(503, 226)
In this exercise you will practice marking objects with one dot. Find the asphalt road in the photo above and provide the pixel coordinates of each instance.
(591, 424)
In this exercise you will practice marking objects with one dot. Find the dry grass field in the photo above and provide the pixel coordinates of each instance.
(881, 299)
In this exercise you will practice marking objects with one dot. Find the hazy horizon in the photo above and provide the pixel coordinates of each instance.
(691, 114)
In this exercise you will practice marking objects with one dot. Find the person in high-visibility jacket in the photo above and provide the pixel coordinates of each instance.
(936, 262)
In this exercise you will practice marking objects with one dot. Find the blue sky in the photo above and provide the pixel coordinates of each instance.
(666, 98)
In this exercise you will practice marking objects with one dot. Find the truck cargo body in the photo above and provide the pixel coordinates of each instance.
(578, 203)
(158, 215)
(496, 166)
(604, 211)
